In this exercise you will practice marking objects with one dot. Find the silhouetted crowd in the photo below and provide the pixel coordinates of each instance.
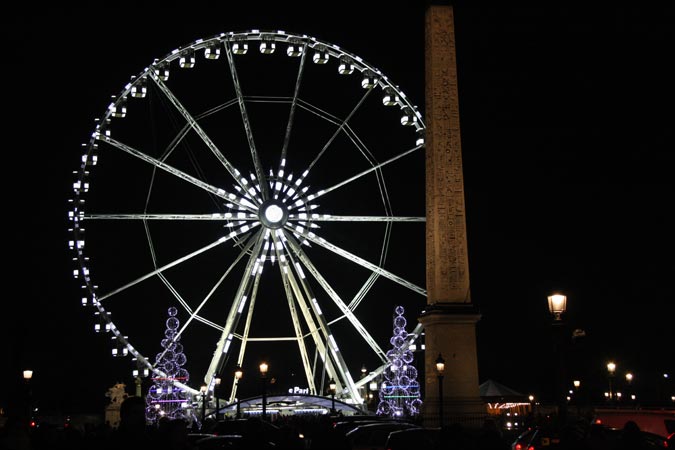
(307, 432)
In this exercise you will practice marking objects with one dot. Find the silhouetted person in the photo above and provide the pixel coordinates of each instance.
(573, 435)
(597, 438)
(455, 437)
(631, 437)
(173, 435)
(326, 438)
(133, 431)
(15, 434)
(490, 437)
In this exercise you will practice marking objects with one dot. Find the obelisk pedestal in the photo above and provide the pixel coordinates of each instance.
(450, 318)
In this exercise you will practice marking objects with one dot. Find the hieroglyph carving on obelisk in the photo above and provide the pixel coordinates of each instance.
(446, 248)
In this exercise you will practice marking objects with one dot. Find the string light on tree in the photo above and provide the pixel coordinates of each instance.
(164, 398)
(400, 390)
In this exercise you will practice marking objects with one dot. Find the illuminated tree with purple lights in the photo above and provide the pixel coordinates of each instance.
(165, 398)
(400, 390)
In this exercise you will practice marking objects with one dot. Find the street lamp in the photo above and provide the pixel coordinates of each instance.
(263, 378)
(332, 387)
(203, 390)
(238, 373)
(216, 385)
(611, 368)
(440, 370)
(557, 304)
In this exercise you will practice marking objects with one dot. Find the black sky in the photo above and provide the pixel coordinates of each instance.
(568, 146)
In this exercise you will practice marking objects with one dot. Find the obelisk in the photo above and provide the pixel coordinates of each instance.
(450, 318)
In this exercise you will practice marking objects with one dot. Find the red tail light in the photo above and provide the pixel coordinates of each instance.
(519, 446)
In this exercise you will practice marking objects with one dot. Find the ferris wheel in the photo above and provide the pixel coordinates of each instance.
(269, 186)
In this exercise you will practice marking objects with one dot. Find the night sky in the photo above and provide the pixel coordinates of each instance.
(568, 148)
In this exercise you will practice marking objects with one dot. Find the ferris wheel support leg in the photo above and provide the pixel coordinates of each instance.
(337, 300)
(298, 333)
(244, 338)
(222, 347)
(345, 376)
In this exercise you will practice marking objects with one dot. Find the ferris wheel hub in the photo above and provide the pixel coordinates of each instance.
(273, 214)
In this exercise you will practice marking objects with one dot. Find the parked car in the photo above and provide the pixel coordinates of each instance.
(654, 421)
(651, 439)
(539, 438)
(194, 437)
(373, 436)
(231, 442)
(253, 432)
(414, 438)
(345, 427)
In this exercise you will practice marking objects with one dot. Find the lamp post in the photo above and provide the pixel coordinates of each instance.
(611, 368)
(364, 370)
(263, 377)
(373, 392)
(440, 370)
(557, 304)
(27, 376)
(203, 390)
(216, 387)
(238, 373)
(532, 404)
(332, 387)
(577, 385)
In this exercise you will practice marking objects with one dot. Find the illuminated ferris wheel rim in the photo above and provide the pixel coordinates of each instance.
(263, 211)
(297, 44)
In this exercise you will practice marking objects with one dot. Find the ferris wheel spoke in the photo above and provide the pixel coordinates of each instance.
(240, 297)
(183, 303)
(367, 171)
(257, 164)
(410, 340)
(291, 114)
(178, 173)
(356, 323)
(194, 314)
(187, 127)
(339, 129)
(174, 263)
(333, 218)
(192, 122)
(370, 282)
(311, 237)
(187, 217)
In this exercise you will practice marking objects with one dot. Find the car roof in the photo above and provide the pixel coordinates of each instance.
(375, 426)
